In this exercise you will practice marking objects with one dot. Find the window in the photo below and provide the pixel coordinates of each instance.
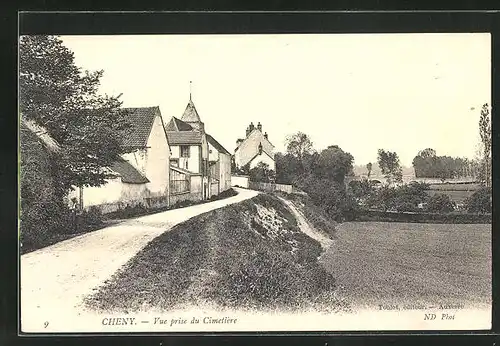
(184, 150)
(174, 162)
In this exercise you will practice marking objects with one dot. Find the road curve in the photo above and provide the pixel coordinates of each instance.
(55, 279)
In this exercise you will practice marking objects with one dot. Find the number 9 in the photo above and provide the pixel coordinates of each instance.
(45, 324)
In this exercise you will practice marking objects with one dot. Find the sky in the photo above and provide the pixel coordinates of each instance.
(363, 92)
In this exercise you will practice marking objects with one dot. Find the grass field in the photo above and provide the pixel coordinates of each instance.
(457, 192)
(455, 195)
(455, 187)
(398, 263)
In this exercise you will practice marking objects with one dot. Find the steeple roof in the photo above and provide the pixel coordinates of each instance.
(190, 114)
(177, 125)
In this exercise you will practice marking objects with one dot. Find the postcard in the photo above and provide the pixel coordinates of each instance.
(253, 183)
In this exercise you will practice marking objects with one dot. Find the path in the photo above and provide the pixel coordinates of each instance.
(55, 279)
(306, 227)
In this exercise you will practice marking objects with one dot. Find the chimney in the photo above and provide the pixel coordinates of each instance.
(259, 126)
(238, 141)
(251, 126)
(248, 131)
(265, 136)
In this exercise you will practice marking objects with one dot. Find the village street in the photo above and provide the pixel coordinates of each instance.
(55, 279)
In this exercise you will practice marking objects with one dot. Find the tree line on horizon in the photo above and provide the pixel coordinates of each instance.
(322, 174)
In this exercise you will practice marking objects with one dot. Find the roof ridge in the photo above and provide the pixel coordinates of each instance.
(217, 144)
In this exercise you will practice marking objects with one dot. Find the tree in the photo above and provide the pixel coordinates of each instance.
(287, 168)
(423, 163)
(389, 165)
(299, 145)
(485, 133)
(479, 201)
(409, 196)
(384, 198)
(440, 203)
(361, 189)
(426, 153)
(262, 173)
(56, 94)
(331, 197)
(334, 164)
(428, 165)
(233, 165)
(369, 167)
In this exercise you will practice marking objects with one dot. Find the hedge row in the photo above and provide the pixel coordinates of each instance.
(376, 215)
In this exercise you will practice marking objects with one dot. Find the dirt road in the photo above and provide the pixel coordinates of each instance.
(55, 279)
(306, 227)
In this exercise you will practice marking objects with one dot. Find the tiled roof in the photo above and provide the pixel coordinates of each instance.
(217, 145)
(142, 121)
(190, 114)
(177, 125)
(184, 137)
(128, 173)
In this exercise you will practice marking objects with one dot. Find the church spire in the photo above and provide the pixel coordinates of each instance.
(190, 87)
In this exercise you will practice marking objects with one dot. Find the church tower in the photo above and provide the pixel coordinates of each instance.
(191, 116)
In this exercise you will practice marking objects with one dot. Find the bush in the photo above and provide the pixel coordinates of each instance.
(361, 188)
(224, 194)
(91, 217)
(39, 222)
(124, 213)
(338, 203)
(406, 206)
(404, 198)
(440, 203)
(383, 198)
(480, 201)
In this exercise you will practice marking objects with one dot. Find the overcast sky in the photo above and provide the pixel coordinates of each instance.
(400, 92)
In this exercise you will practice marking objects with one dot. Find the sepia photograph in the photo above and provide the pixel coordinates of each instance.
(255, 183)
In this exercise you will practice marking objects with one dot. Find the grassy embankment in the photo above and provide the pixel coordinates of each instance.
(246, 256)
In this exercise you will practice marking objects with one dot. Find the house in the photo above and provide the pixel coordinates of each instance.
(189, 151)
(197, 154)
(254, 148)
(220, 164)
(142, 174)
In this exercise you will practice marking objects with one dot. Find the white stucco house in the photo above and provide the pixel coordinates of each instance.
(220, 164)
(254, 148)
(142, 173)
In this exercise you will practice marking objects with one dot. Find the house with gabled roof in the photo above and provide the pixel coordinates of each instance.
(219, 160)
(142, 174)
(192, 152)
(254, 148)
